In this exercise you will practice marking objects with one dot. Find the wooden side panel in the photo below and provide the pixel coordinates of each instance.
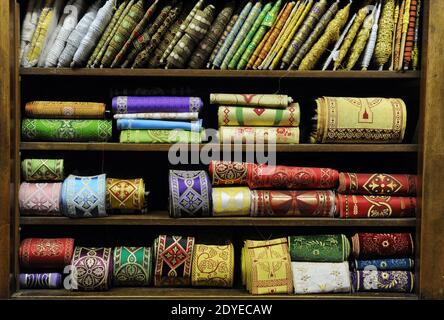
(432, 220)
(5, 101)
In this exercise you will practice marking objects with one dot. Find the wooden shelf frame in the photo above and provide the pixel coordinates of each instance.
(196, 293)
(161, 218)
(191, 73)
(429, 224)
(163, 147)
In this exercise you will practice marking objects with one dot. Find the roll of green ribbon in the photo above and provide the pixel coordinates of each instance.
(66, 130)
(132, 266)
(42, 169)
(319, 248)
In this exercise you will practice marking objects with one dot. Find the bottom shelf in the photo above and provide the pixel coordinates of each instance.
(194, 293)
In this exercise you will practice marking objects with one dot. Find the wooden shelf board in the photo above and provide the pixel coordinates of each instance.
(206, 73)
(113, 146)
(192, 293)
(161, 218)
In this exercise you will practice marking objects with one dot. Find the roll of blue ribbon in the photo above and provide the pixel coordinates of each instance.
(139, 124)
(84, 196)
(385, 264)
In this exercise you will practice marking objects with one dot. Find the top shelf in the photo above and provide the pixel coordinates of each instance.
(208, 73)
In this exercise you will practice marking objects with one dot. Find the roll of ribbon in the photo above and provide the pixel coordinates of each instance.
(41, 253)
(231, 201)
(383, 281)
(65, 109)
(132, 266)
(135, 104)
(190, 194)
(382, 245)
(229, 173)
(42, 169)
(159, 116)
(125, 194)
(84, 197)
(251, 100)
(213, 266)
(356, 206)
(266, 267)
(313, 203)
(249, 135)
(320, 277)
(405, 264)
(161, 136)
(137, 124)
(319, 248)
(283, 177)
(92, 269)
(66, 130)
(173, 256)
(40, 198)
(40, 280)
(261, 117)
(359, 120)
(377, 184)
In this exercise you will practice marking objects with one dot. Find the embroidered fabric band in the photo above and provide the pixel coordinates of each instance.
(377, 184)
(355, 206)
(40, 198)
(132, 266)
(382, 245)
(190, 194)
(140, 104)
(359, 120)
(173, 256)
(125, 194)
(319, 248)
(40, 280)
(383, 281)
(213, 266)
(41, 253)
(320, 277)
(266, 267)
(92, 269)
(65, 109)
(84, 197)
(316, 203)
(43, 169)
(231, 201)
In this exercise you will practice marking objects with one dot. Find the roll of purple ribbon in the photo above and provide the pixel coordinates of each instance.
(146, 104)
(40, 280)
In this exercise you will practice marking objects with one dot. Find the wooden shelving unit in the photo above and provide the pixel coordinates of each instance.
(423, 88)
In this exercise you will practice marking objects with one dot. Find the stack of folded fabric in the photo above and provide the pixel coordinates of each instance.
(145, 119)
(376, 195)
(320, 263)
(40, 193)
(42, 262)
(383, 262)
(257, 118)
(359, 120)
(300, 34)
(266, 267)
(272, 190)
(179, 261)
(66, 121)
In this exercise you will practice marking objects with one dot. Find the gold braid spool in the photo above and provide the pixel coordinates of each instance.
(383, 49)
(360, 17)
(330, 36)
